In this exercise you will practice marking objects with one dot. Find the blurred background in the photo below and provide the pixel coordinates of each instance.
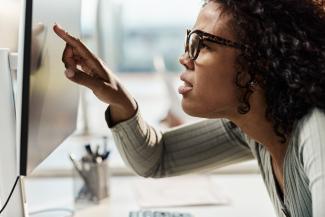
(130, 35)
(142, 47)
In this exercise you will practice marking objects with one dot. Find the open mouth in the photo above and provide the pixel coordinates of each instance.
(187, 84)
(185, 88)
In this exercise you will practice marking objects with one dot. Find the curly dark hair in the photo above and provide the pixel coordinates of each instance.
(286, 56)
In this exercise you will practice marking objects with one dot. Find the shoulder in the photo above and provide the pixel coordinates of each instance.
(312, 125)
(310, 134)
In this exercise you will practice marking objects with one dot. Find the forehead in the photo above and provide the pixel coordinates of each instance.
(211, 19)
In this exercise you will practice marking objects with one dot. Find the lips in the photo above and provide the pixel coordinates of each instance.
(187, 86)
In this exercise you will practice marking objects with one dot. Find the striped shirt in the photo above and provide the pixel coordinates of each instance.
(215, 143)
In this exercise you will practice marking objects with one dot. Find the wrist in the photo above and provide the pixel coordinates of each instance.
(123, 112)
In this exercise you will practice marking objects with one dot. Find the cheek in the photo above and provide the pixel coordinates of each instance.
(214, 93)
(216, 80)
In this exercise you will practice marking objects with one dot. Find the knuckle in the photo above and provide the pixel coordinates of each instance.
(65, 62)
(74, 50)
(78, 42)
(99, 88)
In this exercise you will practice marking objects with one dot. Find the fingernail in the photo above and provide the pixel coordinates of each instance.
(69, 73)
(58, 26)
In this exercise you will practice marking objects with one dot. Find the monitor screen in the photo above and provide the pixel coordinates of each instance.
(47, 101)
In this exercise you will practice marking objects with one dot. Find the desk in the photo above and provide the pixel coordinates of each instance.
(247, 193)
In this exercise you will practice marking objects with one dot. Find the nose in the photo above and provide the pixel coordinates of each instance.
(186, 61)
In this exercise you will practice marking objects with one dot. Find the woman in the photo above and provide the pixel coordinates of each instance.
(257, 70)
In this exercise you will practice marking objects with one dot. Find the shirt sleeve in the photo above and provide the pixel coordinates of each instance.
(186, 149)
(313, 151)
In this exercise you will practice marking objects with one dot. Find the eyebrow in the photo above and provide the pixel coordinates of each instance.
(220, 40)
(205, 2)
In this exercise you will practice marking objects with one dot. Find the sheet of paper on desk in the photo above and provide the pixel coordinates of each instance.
(179, 191)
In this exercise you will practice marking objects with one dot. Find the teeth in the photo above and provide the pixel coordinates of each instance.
(186, 84)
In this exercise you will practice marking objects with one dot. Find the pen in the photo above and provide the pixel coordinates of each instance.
(75, 164)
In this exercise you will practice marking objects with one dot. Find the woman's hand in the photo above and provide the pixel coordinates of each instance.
(83, 67)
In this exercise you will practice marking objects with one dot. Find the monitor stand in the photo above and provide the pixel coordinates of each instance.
(9, 150)
(22, 197)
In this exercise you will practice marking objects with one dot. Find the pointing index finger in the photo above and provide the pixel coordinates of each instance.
(72, 41)
(66, 36)
(81, 50)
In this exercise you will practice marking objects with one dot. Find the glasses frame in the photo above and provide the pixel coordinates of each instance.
(204, 36)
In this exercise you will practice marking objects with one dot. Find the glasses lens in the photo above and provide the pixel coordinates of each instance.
(186, 41)
(193, 45)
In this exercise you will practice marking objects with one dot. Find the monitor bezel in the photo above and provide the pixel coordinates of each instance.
(25, 95)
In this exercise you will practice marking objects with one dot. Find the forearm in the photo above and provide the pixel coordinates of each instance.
(140, 145)
(203, 145)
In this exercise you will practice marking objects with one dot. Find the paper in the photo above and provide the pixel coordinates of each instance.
(179, 191)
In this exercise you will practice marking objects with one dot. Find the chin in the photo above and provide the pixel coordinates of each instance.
(194, 111)
(202, 112)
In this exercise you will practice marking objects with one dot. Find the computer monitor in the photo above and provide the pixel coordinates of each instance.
(8, 152)
(47, 102)
(45, 110)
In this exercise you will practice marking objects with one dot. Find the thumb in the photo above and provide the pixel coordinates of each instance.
(82, 78)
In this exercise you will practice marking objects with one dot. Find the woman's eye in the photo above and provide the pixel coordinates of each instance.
(205, 46)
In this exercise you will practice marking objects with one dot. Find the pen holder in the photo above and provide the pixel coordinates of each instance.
(91, 182)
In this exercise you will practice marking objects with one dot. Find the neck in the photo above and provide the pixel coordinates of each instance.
(259, 128)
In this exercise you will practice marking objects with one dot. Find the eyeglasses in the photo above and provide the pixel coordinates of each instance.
(194, 41)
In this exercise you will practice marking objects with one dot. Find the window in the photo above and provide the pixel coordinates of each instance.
(137, 31)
